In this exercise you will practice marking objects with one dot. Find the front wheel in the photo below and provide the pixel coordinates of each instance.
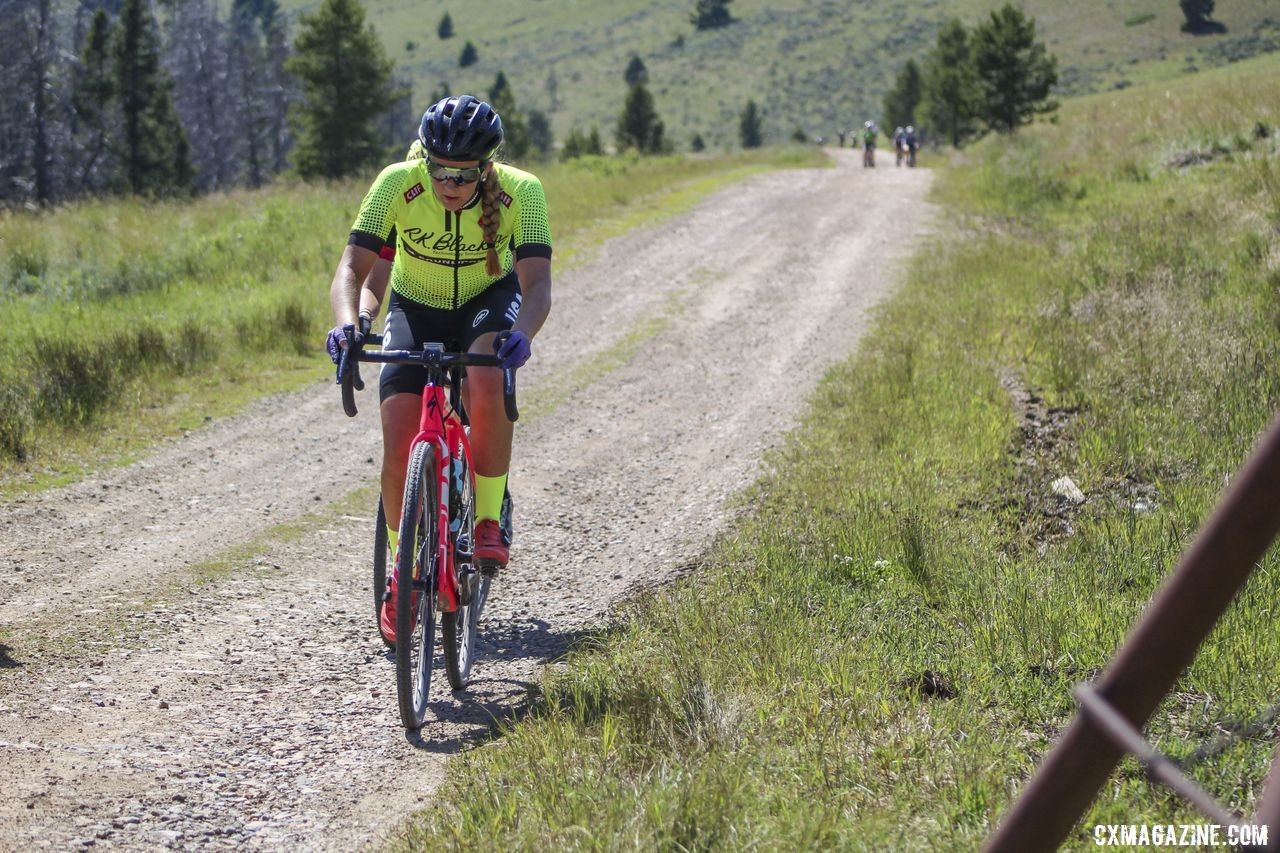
(415, 587)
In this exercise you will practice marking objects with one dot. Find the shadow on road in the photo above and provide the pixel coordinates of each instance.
(6, 658)
(478, 714)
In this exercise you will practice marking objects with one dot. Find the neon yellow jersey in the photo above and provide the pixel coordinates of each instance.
(440, 255)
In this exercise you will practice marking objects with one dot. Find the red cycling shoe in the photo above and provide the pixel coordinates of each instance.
(491, 549)
(387, 619)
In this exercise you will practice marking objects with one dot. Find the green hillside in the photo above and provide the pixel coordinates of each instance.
(821, 66)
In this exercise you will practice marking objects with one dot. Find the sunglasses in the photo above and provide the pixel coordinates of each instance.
(457, 176)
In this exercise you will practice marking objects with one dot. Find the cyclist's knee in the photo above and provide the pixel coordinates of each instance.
(484, 384)
(399, 425)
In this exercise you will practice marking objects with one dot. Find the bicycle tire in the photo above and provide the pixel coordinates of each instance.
(459, 628)
(380, 570)
(416, 620)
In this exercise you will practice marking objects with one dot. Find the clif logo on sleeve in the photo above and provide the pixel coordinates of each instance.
(412, 193)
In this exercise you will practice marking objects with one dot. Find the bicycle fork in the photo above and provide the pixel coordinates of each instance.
(447, 577)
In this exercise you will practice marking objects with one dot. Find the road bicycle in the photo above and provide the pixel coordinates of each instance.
(437, 524)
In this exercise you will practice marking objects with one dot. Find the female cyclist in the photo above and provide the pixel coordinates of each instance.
(473, 258)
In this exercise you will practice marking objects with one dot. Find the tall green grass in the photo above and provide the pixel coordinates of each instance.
(879, 656)
(116, 310)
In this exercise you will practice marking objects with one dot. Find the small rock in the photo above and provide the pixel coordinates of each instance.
(1066, 490)
(164, 706)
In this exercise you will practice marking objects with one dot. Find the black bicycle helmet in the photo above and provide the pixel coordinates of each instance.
(461, 128)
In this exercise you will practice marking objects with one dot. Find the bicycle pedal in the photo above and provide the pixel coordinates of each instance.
(466, 585)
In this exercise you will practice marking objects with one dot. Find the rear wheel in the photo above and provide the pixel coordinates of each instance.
(415, 587)
(380, 569)
(459, 628)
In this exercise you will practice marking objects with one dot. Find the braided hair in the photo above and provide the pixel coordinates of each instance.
(490, 217)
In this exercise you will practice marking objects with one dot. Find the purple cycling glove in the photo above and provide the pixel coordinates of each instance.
(337, 336)
(515, 350)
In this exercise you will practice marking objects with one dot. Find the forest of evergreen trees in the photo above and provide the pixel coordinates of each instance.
(163, 97)
(120, 96)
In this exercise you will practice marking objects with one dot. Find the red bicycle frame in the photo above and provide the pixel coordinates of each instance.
(441, 426)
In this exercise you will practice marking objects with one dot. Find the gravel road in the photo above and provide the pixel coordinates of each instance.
(258, 709)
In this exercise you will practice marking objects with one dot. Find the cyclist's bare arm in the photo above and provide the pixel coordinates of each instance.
(375, 288)
(535, 294)
(344, 293)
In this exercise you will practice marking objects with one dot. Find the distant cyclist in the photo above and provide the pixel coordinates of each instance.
(869, 144)
(911, 143)
(473, 259)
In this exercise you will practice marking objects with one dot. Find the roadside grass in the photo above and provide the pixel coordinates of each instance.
(878, 657)
(130, 320)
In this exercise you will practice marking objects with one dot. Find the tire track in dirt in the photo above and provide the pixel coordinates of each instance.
(261, 712)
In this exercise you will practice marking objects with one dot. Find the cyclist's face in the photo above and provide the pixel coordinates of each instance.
(452, 195)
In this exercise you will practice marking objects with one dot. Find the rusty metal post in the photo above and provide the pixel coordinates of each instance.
(1268, 813)
(1183, 613)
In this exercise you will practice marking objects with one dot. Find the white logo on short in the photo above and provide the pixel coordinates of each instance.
(513, 309)
(480, 318)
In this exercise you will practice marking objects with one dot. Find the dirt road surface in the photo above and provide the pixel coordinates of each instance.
(258, 710)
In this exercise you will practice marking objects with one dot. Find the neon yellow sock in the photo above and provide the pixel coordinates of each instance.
(393, 539)
(489, 491)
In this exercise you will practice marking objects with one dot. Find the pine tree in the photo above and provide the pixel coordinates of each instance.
(398, 120)
(154, 149)
(445, 30)
(516, 133)
(42, 101)
(345, 77)
(552, 85)
(639, 126)
(279, 90)
(1015, 72)
(1197, 14)
(93, 98)
(636, 72)
(541, 140)
(950, 84)
(750, 132)
(15, 97)
(578, 144)
(711, 14)
(500, 91)
(247, 64)
(468, 55)
(264, 11)
(903, 99)
(197, 60)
